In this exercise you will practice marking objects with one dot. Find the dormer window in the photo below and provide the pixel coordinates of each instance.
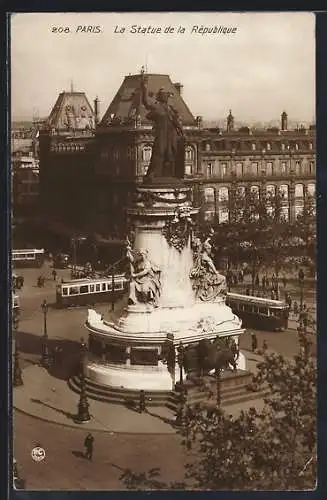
(208, 148)
(253, 146)
(268, 146)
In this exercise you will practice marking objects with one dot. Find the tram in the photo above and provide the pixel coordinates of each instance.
(15, 311)
(89, 291)
(259, 313)
(29, 257)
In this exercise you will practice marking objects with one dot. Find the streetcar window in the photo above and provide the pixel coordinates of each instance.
(119, 285)
(73, 290)
(65, 291)
(91, 288)
(97, 287)
(103, 287)
(108, 287)
(84, 289)
(247, 308)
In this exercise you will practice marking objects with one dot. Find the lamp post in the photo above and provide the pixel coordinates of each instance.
(45, 346)
(17, 379)
(301, 283)
(180, 360)
(218, 386)
(83, 414)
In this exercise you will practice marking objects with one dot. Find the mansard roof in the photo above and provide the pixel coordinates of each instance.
(127, 102)
(72, 111)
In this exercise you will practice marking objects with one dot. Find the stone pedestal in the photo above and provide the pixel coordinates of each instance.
(127, 352)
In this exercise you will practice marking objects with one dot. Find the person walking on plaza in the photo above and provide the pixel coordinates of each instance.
(254, 342)
(257, 281)
(54, 274)
(142, 406)
(88, 445)
(284, 281)
(263, 282)
(264, 347)
(295, 308)
(247, 291)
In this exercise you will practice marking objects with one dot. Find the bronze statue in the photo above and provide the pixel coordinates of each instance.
(167, 159)
(145, 285)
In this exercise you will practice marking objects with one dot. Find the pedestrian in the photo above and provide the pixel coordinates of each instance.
(264, 346)
(57, 355)
(263, 282)
(254, 342)
(240, 276)
(88, 445)
(284, 281)
(257, 281)
(142, 406)
(247, 291)
(54, 274)
(272, 295)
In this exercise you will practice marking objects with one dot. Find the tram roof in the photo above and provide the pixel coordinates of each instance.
(260, 300)
(28, 250)
(88, 281)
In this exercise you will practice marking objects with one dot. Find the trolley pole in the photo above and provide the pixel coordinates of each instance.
(112, 288)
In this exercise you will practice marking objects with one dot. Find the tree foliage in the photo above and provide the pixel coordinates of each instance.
(271, 449)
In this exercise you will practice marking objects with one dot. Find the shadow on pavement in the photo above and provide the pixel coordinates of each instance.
(58, 410)
(78, 454)
(64, 353)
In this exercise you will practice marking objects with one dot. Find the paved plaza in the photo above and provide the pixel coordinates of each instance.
(44, 407)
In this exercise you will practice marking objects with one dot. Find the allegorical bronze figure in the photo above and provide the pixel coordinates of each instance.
(167, 159)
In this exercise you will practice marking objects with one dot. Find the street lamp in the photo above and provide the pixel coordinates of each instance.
(18, 380)
(180, 360)
(218, 386)
(83, 414)
(301, 283)
(45, 346)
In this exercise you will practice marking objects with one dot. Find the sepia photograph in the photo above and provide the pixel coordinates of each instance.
(163, 219)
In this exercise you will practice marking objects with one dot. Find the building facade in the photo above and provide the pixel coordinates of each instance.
(89, 167)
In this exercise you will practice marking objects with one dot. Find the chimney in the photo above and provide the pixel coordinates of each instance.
(199, 121)
(179, 87)
(284, 121)
(96, 111)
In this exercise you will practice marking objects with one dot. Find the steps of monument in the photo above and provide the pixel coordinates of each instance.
(195, 394)
(118, 395)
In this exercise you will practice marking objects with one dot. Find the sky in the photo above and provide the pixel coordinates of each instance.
(265, 66)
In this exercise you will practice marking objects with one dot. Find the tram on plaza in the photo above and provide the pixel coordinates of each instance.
(89, 291)
(258, 312)
(29, 257)
(15, 311)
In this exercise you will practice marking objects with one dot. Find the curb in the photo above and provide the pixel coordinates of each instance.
(84, 428)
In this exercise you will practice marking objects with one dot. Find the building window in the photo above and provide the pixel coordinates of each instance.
(298, 190)
(270, 190)
(311, 189)
(255, 191)
(223, 194)
(310, 145)
(269, 168)
(298, 168)
(223, 215)
(283, 191)
(312, 167)
(239, 169)
(283, 168)
(223, 169)
(146, 153)
(116, 154)
(188, 169)
(254, 168)
(296, 146)
(282, 146)
(209, 170)
(268, 146)
(209, 195)
(253, 146)
(207, 147)
(188, 153)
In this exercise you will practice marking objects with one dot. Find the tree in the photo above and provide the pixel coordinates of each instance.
(272, 449)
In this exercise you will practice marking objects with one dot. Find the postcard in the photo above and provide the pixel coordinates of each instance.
(163, 251)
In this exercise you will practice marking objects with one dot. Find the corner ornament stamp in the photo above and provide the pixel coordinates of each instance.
(208, 284)
(178, 230)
